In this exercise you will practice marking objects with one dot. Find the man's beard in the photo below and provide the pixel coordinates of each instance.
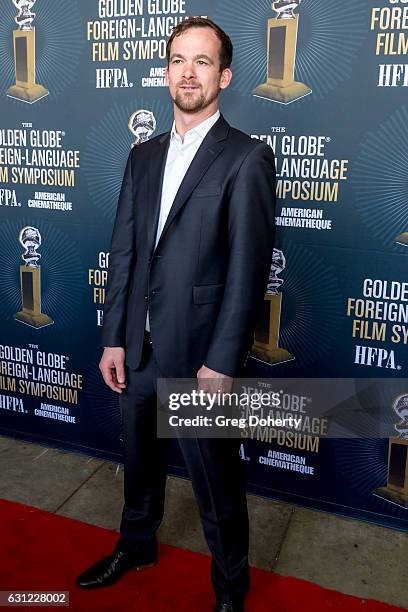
(193, 104)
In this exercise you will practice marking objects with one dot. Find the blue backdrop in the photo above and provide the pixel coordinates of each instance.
(341, 154)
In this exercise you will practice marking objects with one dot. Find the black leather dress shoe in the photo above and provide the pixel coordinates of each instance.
(229, 606)
(110, 569)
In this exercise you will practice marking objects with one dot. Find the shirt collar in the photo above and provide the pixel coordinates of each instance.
(200, 130)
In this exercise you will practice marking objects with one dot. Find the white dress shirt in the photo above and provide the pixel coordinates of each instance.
(179, 157)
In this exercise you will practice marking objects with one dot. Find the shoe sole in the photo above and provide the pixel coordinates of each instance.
(139, 568)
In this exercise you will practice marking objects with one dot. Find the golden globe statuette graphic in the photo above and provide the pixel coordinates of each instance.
(30, 281)
(402, 239)
(142, 124)
(266, 336)
(396, 489)
(281, 56)
(25, 89)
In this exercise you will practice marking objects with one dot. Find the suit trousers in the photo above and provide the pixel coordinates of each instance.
(217, 476)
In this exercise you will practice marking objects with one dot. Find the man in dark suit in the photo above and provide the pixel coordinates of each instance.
(189, 263)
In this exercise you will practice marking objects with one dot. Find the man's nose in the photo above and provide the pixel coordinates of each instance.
(189, 71)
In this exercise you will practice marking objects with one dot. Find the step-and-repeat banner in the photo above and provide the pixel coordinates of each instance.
(323, 84)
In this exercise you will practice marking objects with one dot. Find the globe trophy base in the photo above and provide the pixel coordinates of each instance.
(273, 356)
(282, 94)
(400, 499)
(402, 239)
(34, 320)
(27, 94)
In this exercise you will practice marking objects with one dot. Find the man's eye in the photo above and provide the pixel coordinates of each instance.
(176, 61)
(202, 62)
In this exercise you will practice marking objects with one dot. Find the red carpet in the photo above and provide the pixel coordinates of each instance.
(42, 551)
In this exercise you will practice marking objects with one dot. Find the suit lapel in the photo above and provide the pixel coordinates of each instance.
(156, 173)
(210, 148)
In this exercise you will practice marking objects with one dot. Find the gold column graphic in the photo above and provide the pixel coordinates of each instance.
(396, 489)
(25, 88)
(30, 281)
(281, 56)
(266, 337)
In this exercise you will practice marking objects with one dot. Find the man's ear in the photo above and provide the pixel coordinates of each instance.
(226, 77)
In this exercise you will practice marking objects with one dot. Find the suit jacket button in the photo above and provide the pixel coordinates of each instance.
(145, 297)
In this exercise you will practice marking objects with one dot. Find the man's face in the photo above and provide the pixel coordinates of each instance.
(193, 74)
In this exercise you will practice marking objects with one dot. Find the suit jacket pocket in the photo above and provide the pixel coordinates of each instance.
(207, 294)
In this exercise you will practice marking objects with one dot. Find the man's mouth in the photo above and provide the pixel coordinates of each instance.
(188, 87)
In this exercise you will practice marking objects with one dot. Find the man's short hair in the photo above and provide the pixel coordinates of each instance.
(201, 22)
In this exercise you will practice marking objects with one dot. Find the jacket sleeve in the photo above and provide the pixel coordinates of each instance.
(121, 262)
(251, 230)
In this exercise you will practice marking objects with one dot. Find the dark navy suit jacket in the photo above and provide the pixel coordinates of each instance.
(208, 273)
